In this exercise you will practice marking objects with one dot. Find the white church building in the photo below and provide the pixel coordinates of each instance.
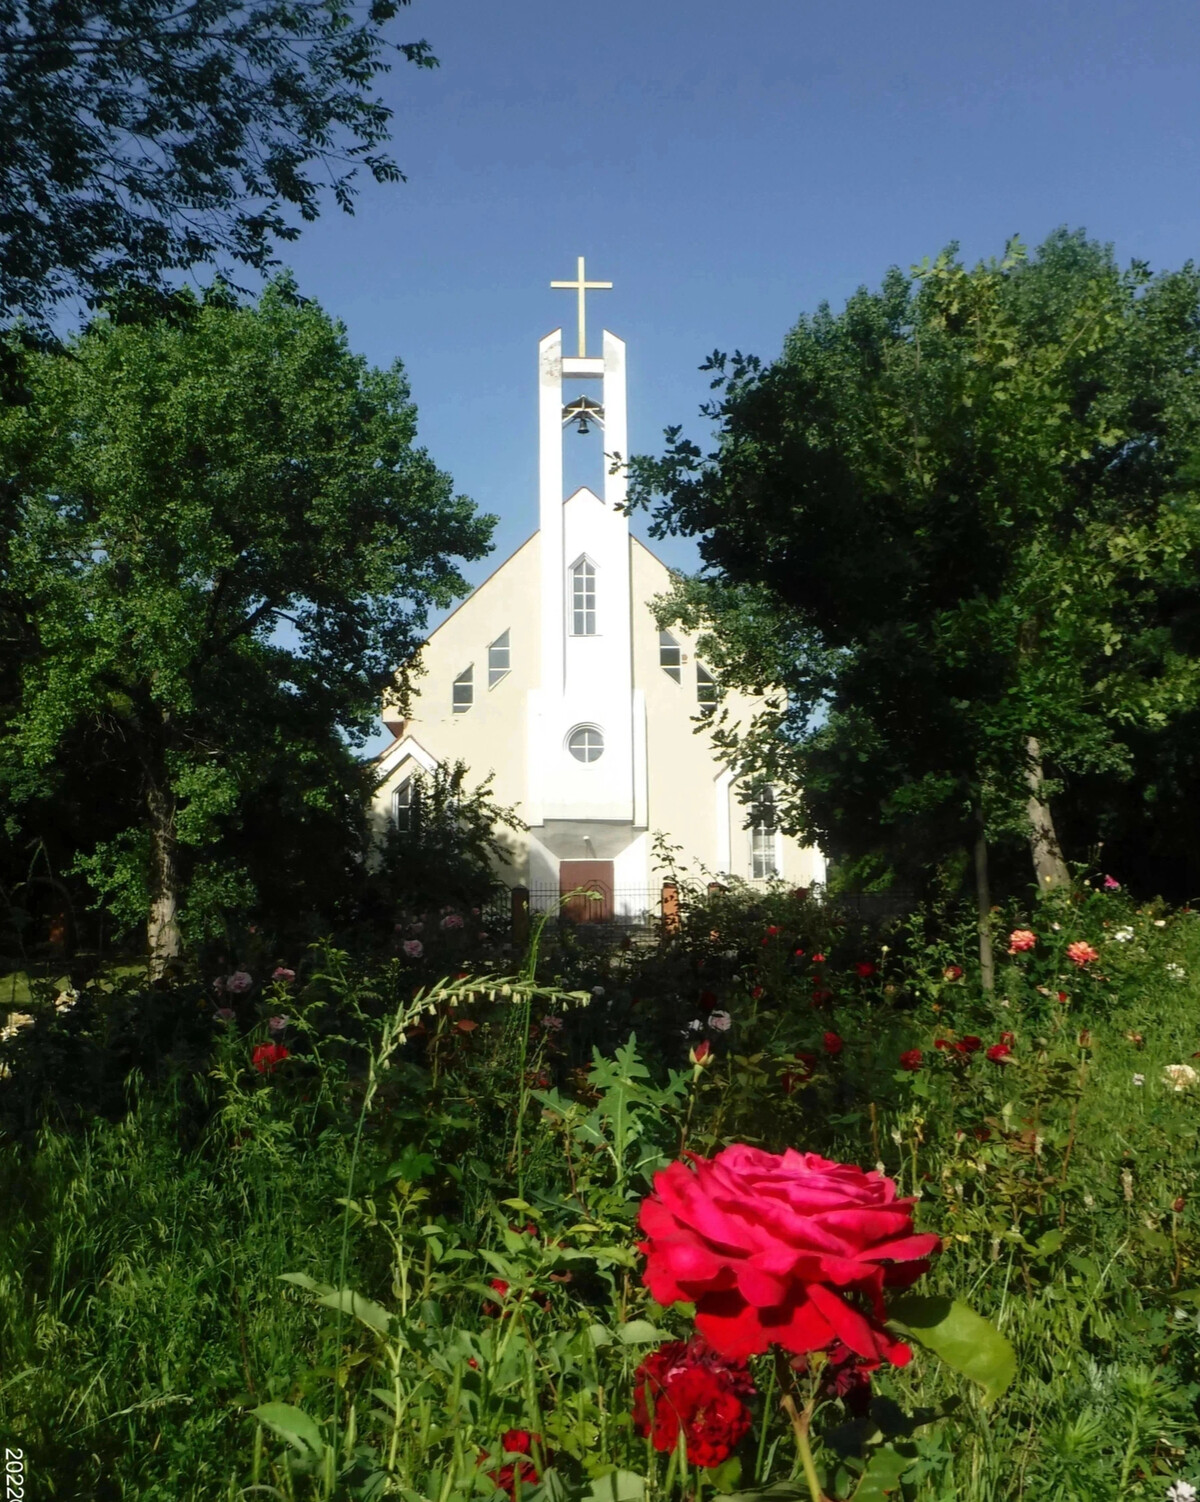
(554, 675)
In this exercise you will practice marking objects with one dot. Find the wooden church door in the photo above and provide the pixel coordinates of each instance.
(594, 876)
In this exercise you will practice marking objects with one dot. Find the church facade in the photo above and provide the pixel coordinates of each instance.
(554, 675)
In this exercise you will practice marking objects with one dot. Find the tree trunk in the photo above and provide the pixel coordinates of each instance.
(983, 902)
(162, 929)
(1047, 854)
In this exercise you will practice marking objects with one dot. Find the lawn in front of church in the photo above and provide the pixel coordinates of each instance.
(328, 1238)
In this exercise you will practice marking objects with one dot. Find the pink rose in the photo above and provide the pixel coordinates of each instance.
(720, 1021)
(282, 973)
(1020, 940)
(1081, 954)
(277, 1024)
(239, 981)
(452, 920)
(413, 948)
(767, 1245)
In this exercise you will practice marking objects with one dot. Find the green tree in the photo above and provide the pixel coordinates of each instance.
(226, 542)
(948, 524)
(447, 845)
(141, 137)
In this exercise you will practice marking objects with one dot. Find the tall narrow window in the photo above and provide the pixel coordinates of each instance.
(706, 690)
(498, 660)
(464, 690)
(764, 826)
(402, 806)
(583, 599)
(669, 656)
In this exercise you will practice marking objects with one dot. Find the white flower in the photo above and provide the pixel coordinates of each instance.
(721, 1022)
(1181, 1491)
(695, 1026)
(1176, 972)
(1123, 935)
(1160, 923)
(1139, 1079)
(1179, 1076)
(16, 1021)
(597, 990)
(1089, 1201)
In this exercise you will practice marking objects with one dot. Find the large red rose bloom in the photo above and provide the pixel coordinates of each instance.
(767, 1246)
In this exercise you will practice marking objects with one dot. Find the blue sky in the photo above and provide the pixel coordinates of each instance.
(729, 167)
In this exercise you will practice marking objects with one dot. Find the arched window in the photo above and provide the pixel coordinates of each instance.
(586, 743)
(669, 656)
(583, 598)
(498, 660)
(464, 690)
(764, 831)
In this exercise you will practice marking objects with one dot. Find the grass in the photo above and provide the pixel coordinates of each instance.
(150, 1335)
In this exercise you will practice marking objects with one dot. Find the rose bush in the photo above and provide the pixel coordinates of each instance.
(782, 1248)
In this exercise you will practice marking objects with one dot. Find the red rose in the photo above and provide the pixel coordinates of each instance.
(756, 993)
(911, 1060)
(266, 1057)
(952, 972)
(833, 1044)
(940, 1043)
(999, 1052)
(818, 959)
(765, 1245)
(1008, 1038)
(820, 996)
(844, 1375)
(498, 1285)
(865, 968)
(806, 1063)
(506, 1477)
(708, 1000)
(972, 1044)
(689, 1388)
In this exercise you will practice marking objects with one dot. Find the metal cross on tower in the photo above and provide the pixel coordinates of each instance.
(582, 286)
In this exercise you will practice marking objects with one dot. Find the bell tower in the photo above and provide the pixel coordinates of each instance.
(587, 727)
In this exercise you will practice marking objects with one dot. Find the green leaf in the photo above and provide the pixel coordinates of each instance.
(292, 1424)
(882, 1476)
(779, 1491)
(963, 1339)
(726, 1476)
(617, 1486)
(599, 1336)
(1049, 1243)
(302, 1280)
(638, 1332)
(373, 1315)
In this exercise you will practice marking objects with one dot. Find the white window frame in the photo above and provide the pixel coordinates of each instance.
(583, 572)
(705, 679)
(402, 804)
(672, 665)
(501, 645)
(760, 834)
(466, 679)
(585, 730)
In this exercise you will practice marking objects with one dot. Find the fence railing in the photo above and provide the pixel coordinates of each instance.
(647, 908)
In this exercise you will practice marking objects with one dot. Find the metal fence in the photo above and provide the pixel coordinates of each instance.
(624, 907)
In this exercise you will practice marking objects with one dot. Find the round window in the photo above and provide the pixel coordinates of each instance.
(586, 743)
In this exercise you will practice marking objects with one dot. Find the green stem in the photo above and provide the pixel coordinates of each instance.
(800, 1425)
